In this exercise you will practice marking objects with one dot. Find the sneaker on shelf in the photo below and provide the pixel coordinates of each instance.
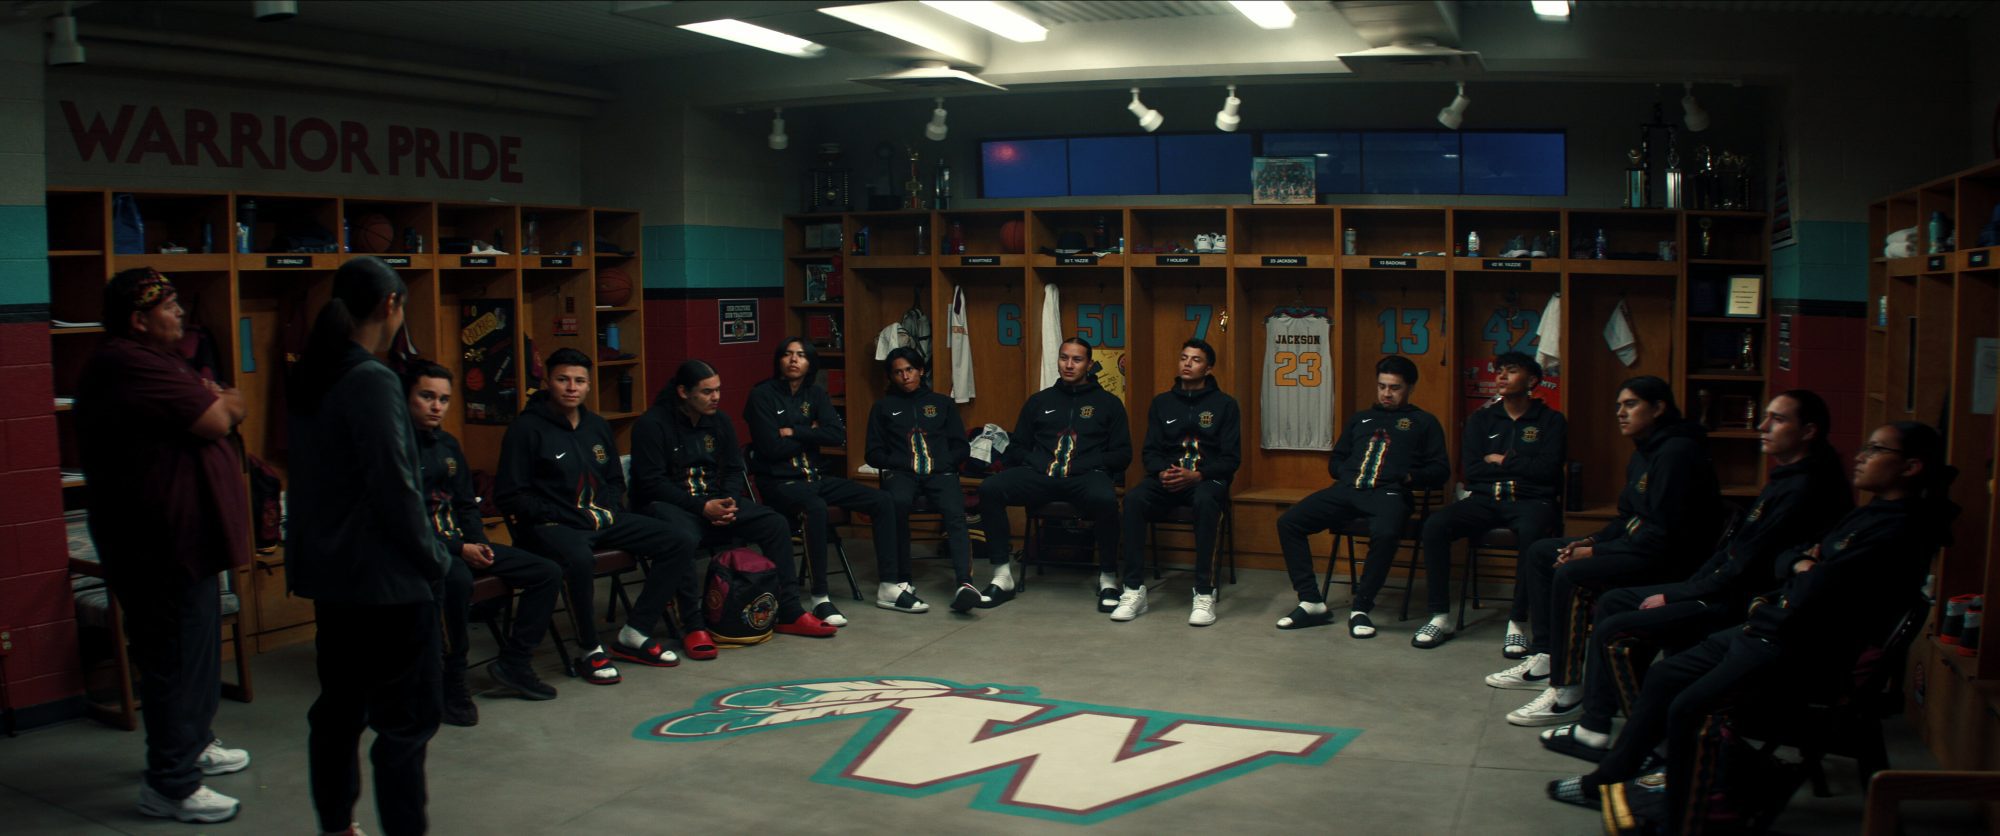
(218, 759)
(1131, 605)
(1221, 243)
(1532, 674)
(1203, 613)
(483, 248)
(1543, 711)
(1204, 243)
(204, 806)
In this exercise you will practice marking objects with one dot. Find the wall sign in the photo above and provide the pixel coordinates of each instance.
(1393, 263)
(1176, 260)
(979, 261)
(288, 261)
(557, 261)
(478, 261)
(1982, 258)
(737, 319)
(1507, 264)
(395, 260)
(1284, 261)
(1076, 260)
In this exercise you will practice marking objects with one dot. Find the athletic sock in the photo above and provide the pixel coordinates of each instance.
(1313, 607)
(888, 591)
(1516, 629)
(1442, 621)
(1003, 576)
(1593, 739)
(818, 600)
(631, 638)
(1107, 580)
(1540, 665)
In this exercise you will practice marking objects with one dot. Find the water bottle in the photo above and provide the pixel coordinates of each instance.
(346, 238)
(531, 240)
(246, 221)
(1472, 244)
(1600, 244)
(207, 237)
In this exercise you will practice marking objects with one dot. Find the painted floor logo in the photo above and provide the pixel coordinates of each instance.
(1031, 756)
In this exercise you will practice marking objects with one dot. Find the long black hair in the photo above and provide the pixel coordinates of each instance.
(812, 358)
(1653, 389)
(359, 287)
(690, 374)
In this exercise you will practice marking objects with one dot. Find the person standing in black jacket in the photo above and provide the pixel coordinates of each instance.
(1835, 599)
(687, 471)
(1511, 459)
(562, 487)
(453, 509)
(916, 440)
(1071, 438)
(790, 418)
(1193, 447)
(357, 544)
(1669, 513)
(1806, 492)
(1386, 451)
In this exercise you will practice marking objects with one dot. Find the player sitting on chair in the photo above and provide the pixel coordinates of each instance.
(1512, 460)
(1386, 451)
(563, 490)
(1072, 438)
(687, 469)
(790, 418)
(1193, 446)
(916, 439)
(454, 514)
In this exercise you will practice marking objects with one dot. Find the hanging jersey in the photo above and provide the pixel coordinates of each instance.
(1297, 405)
(962, 390)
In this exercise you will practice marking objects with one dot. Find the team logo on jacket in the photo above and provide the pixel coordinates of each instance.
(1643, 478)
(1403, 424)
(1206, 420)
(921, 736)
(1844, 541)
(1531, 434)
(450, 466)
(1756, 511)
(708, 443)
(1087, 411)
(805, 410)
(598, 451)
(930, 410)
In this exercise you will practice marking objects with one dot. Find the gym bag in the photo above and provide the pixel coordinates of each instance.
(741, 603)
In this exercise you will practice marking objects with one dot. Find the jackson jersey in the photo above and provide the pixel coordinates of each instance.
(1297, 403)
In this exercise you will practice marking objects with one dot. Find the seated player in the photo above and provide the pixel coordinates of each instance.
(1071, 437)
(1835, 599)
(1385, 452)
(1806, 492)
(1193, 447)
(454, 514)
(790, 418)
(1512, 458)
(916, 440)
(563, 490)
(1668, 514)
(687, 470)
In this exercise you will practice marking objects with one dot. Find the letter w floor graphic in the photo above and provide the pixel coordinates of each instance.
(1031, 756)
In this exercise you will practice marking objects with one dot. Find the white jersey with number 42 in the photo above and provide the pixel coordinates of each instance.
(1297, 406)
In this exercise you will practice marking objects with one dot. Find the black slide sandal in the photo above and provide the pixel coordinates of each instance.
(1562, 741)
(1302, 619)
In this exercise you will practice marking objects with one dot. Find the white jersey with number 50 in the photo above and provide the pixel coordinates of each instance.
(1297, 406)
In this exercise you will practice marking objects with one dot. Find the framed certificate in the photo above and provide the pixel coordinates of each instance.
(1746, 297)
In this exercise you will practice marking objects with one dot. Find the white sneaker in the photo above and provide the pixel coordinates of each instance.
(1532, 674)
(1204, 610)
(1543, 711)
(1131, 604)
(218, 760)
(1204, 243)
(1220, 243)
(205, 806)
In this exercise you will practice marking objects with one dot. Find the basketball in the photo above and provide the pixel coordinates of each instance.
(1010, 237)
(614, 288)
(372, 233)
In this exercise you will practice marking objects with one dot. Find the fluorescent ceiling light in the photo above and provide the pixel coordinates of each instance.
(993, 17)
(1553, 9)
(1269, 14)
(750, 34)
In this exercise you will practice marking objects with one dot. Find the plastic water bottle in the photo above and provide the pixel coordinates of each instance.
(346, 236)
(1600, 244)
(1472, 244)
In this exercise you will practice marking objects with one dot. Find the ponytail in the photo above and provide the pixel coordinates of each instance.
(359, 287)
(1931, 490)
(690, 374)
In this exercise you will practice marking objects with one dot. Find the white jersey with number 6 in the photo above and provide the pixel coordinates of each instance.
(1297, 406)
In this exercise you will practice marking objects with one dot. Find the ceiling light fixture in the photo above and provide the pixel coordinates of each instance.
(1227, 119)
(1149, 118)
(935, 131)
(778, 140)
(1268, 14)
(272, 11)
(63, 49)
(993, 17)
(750, 34)
(1553, 10)
(1453, 114)
(1696, 118)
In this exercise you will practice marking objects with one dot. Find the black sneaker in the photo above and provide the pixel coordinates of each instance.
(1107, 599)
(521, 680)
(458, 707)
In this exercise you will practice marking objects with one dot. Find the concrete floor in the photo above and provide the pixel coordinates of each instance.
(1433, 754)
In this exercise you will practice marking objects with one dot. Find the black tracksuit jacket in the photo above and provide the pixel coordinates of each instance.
(1381, 446)
(685, 464)
(1869, 571)
(773, 406)
(916, 432)
(449, 499)
(1800, 501)
(1199, 429)
(551, 472)
(1065, 430)
(1535, 447)
(1670, 508)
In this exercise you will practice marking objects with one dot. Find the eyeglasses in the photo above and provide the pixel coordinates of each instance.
(1871, 450)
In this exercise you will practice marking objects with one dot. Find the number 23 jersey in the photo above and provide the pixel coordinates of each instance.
(1297, 397)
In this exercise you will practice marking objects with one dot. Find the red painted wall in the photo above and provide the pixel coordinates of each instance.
(35, 604)
(679, 329)
(1828, 357)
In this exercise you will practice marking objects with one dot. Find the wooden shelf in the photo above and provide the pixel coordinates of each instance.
(608, 364)
(1727, 262)
(176, 263)
(817, 306)
(1151, 261)
(74, 253)
(1725, 376)
(888, 262)
(63, 332)
(1727, 320)
(1615, 267)
(1907, 267)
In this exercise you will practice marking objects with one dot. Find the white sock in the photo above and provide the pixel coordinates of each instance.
(1516, 628)
(888, 591)
(818, 600)
(1593, 739)
(1442, 621)
(1106, 580)
(1003, 576)
(631, 638)
(1313, 607)
(1568, 695)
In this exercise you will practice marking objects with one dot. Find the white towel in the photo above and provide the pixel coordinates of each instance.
(1618, 335)
(1907, 235)
(1899, 249)
(1052, 334)
(892, 337)
(1548, 337)
(992, 439)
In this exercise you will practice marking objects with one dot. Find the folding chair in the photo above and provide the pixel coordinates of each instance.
(1355, 535)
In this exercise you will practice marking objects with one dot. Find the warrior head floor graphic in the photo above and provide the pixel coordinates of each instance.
(1031, 756)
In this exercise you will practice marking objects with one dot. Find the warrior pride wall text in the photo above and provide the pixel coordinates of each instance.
(278, 143)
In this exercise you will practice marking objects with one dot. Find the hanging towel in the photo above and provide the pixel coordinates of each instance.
(1052, 334)
(1548, 337)
(892, 337)
(1618, 335)
(962, 389)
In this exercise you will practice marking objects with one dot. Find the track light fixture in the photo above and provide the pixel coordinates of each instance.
(63, 48)
(1149, 118)
(1453, 115)
(935, 131)
(777, 140)
(1696, 118)
(1227, 118)
(272, 11)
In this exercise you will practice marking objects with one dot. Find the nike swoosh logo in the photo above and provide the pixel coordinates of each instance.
(1171, 420)
(1495, 435)
(781, 412)
(897, 412)
(560, 455)
(1366, 420)
(1047, 411)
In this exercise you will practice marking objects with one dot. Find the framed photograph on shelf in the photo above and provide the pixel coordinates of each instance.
(1283, 180)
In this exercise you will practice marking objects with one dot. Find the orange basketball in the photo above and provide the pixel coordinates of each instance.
(1011, 240)
(373, 233)
(614, 288)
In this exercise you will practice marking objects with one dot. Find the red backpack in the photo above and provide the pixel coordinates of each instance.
(741, 603)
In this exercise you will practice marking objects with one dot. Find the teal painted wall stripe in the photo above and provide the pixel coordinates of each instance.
(697, 256)
(1829, 262)
(24, 255)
